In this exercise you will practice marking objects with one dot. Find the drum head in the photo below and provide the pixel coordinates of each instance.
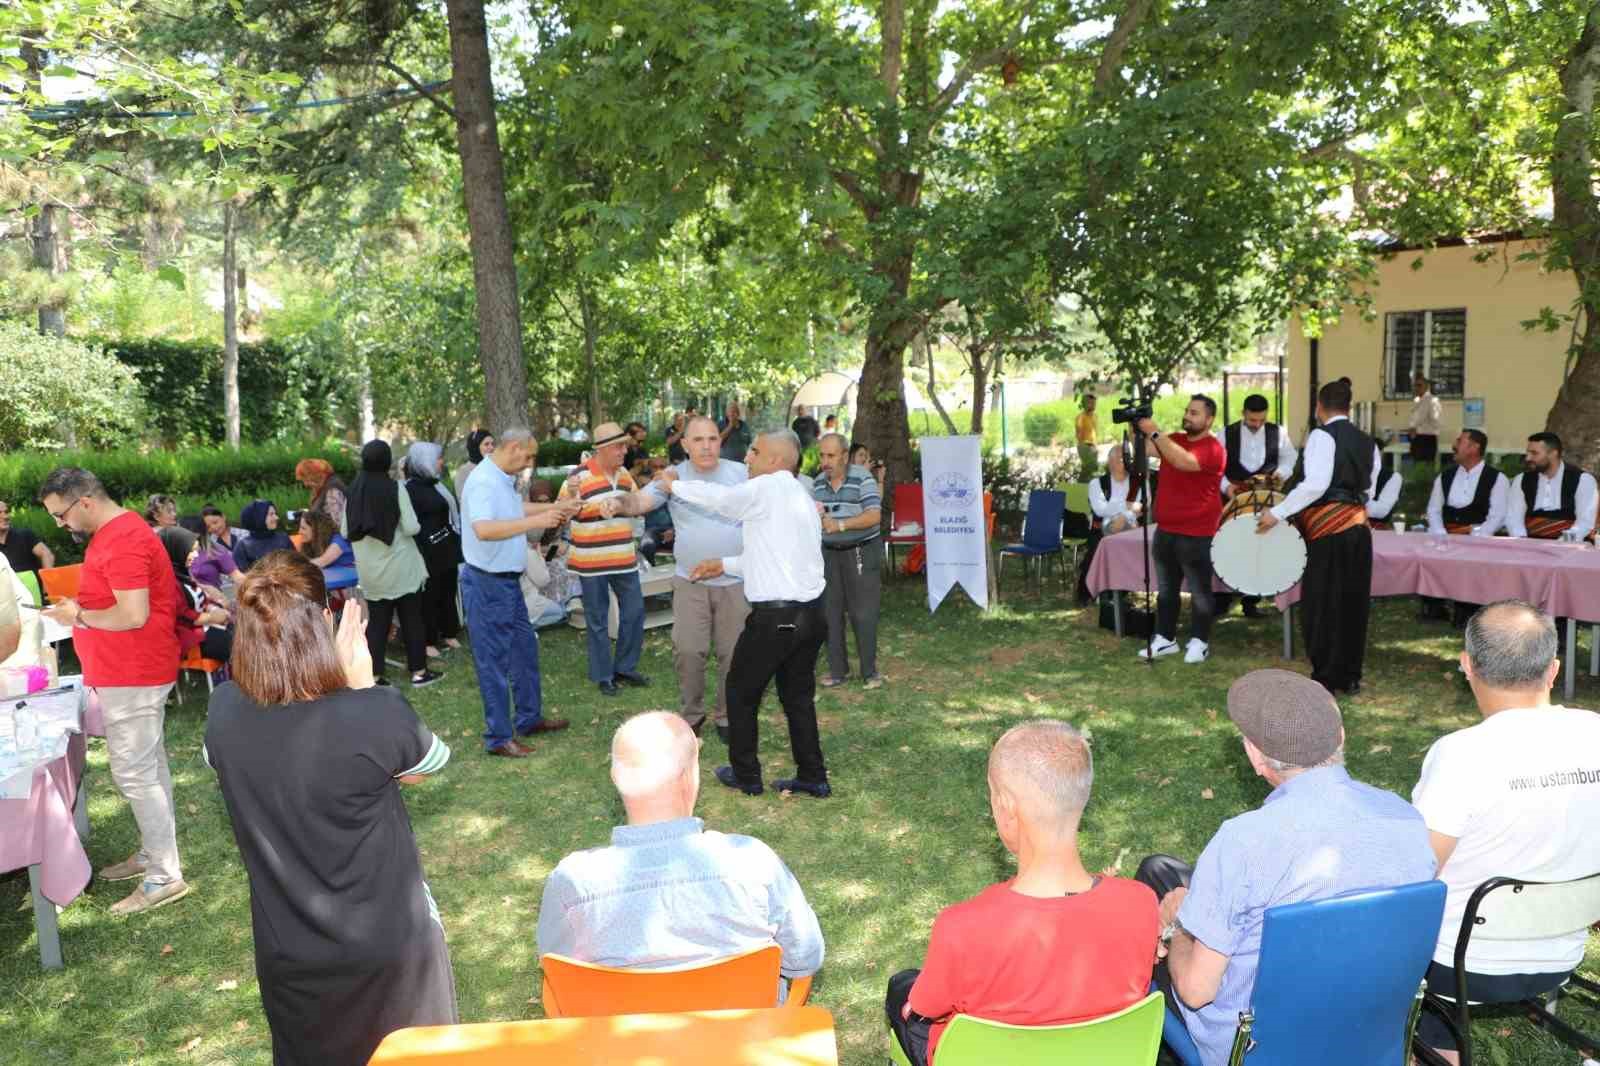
(1258, 564)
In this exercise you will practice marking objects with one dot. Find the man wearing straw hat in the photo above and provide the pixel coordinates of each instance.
(606, 562)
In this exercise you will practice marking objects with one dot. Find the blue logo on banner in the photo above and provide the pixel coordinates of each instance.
(953, 490)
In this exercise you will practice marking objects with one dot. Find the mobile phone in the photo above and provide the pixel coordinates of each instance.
(358, 599)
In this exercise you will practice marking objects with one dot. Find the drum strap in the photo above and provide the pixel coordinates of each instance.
(1548, 528)
(1327, 519)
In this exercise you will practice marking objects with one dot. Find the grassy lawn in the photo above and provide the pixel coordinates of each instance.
(906, 833)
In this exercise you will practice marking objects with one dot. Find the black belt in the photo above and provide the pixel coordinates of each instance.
(513, 575)
(848, 547)
(778, 605)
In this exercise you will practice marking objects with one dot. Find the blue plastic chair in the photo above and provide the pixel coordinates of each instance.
(1340, 980)
(1041, 535)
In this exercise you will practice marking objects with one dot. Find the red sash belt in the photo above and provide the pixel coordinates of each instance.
(1548, 528)
(1328, 519)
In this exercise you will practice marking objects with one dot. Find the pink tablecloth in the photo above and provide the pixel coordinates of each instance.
(40, 828)
(1564, 579)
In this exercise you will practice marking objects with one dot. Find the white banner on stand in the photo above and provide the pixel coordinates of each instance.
(952, 510)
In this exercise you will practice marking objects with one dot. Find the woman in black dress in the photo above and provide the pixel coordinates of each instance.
(440, 542)
(310, 756)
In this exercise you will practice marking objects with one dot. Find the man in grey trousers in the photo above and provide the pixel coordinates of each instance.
(705, 614)
(852, 558)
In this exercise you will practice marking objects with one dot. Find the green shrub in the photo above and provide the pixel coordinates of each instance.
(53, 387)
(130, 474)
(285, 389)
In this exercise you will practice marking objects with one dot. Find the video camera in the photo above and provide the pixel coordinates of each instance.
(1131, 411)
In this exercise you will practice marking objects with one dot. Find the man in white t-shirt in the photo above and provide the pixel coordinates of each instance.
(1517, 795)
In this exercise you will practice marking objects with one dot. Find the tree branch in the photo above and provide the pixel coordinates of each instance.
(433, 98)
(850, 182)
(1122, 31)
(982, 61)
(893, 38)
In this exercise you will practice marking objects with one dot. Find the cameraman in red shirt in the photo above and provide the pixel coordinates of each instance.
(1187, 510)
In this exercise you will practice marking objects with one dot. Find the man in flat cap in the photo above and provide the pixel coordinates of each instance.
(604, 558)
(1319, 833)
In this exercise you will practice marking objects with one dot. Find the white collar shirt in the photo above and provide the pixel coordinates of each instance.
(1462, 491)
(782, 557)
(1426, 410)
(1547, 497)
(1316, 473)
(1253, 451)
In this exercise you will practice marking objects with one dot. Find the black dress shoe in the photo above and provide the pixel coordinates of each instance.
(636, 680)
(608, 688)
(1353, 688)
(819, 789)
(726, 775)
(722, 733)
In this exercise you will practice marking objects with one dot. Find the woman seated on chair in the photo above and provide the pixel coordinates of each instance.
(260, 521)
(1114, 499)
(328, 549)
(203, 618)
(311, 757)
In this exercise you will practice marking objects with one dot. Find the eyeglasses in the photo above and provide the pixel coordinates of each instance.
(60, 516)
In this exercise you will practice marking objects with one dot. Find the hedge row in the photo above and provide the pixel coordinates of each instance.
(285, 389)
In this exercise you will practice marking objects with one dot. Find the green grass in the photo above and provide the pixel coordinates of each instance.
(907, 832)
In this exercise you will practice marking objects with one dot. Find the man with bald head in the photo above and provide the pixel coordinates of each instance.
(708, 613)
(1517, 795)
(1055, 943)
(781, 565)
(667, 891)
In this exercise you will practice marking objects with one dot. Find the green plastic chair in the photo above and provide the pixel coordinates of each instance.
(1130, 1037)
(30, 581)
(1077, 503)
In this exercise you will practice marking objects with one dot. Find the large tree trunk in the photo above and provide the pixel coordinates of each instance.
(230, 324)
(980, 388)
(881, 407)
(494, 268)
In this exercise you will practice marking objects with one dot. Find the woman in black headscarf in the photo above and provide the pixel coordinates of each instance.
(260, 521)
(202, 621)
(480, 442)
(381, 525)
(439, 540)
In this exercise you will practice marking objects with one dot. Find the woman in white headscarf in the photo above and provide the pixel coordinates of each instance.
(439, 539)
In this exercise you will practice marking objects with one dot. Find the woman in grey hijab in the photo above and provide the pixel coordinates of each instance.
(439, 539)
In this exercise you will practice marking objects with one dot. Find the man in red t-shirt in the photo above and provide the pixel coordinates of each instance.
(1052, 945)
(1187, 510)
(124, 629)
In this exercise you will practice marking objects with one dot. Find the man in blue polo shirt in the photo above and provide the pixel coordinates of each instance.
(1320, 833)
(852, 558)
(495, 521)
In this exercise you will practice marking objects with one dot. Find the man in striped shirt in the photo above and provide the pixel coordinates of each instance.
(605, 561)
(852, 557)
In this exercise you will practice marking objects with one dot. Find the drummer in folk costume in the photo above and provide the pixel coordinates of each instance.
(1551, 501)
(1260, 456)
(1334, 480)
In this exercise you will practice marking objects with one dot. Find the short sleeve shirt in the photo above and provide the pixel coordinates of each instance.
(490, 494)
(1189, 503)
(1319, 834)
(700, 533)
(858, 492)
(125, 554)
(18, 549)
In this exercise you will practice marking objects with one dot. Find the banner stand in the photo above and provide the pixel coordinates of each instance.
(955, 530)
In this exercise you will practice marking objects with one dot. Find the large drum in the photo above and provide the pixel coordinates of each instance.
(1257, 564)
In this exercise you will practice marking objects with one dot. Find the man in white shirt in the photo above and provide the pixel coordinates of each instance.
(1424, 423)
(783, 579)
(1516, 795)
(1551, 501)
(1256, 449)
(1469, 498)
(1385, 493)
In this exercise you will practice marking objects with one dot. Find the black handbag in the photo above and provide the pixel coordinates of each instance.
(1136, 621)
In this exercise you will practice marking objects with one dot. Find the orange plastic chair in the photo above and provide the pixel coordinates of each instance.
(776, 1036)
(61, 582)
(574, 989)
(193, 660)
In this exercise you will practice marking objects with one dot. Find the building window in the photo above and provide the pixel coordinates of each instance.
(1430, 343)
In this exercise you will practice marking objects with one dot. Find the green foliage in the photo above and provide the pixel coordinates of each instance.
(131, 300)
(53, 389)
(1041, 425)
(286, 390)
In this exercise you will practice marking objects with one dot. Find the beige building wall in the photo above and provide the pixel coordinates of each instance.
(1516, 371)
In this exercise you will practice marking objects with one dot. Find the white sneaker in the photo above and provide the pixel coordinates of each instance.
(1198, 650)
(1159, 646)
